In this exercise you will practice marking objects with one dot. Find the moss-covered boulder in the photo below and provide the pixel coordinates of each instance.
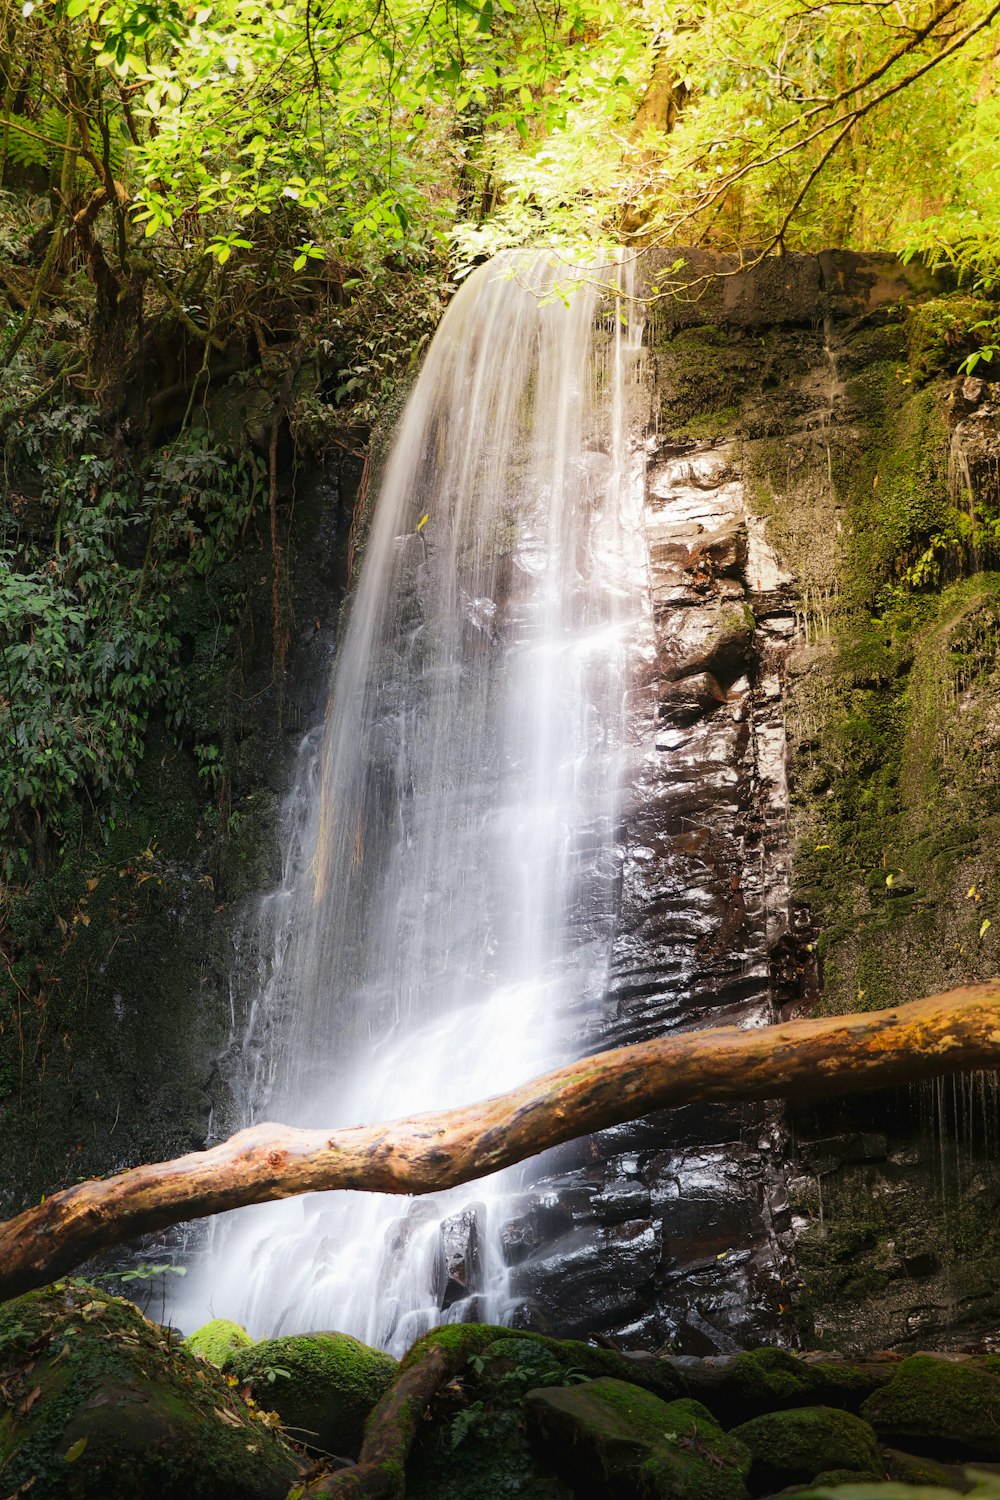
(744, 1385)
(97, 1403)
(570, 1360)
(217, 1340)
(956, 1403)
(479, 1448)
(322, 1385)
(831, 1477)
(608, 1437)
(790, 1447)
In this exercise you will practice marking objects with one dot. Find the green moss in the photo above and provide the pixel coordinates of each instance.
(322, 1385)
(86, 1375)
(217, 1340)
(460, 1339)
(895, 485)
(937, 1398)
(942, 330)
(908, 1468)
(892, 726)
(769, 1375)
(612, 1437)
(482, 1452)
(706, 377)
(898, 762)
(712, 424)
(797, 1445)
(842, 1476)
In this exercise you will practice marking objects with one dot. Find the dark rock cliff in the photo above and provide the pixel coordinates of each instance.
(811, 821)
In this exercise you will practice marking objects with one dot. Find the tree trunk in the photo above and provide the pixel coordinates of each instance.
(659, 108)
(946, 1033)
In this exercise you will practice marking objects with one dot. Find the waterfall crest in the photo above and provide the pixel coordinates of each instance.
(448, 907)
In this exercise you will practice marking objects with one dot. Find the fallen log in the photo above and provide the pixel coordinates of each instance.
(948, 1033)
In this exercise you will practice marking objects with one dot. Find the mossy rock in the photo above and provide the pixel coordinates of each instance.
(103, 1405)
(568, 1360)
(609, 1437)
(481, 1451)
(831, 1477)
(217, 1340)
(572, 1356)
(745, 1385)
(790, 1447)
(911, 1468)
(770, 1376)
(957, 1404)
(322, 1385)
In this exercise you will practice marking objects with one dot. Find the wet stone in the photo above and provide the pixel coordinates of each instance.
(461, 1253)
(689, 698)
(620, 1200)
(591, 1277)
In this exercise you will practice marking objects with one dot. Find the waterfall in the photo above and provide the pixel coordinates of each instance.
(444, 925)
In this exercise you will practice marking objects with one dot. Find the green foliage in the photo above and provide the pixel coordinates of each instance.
(941, 330)
(343, 131)
(88, 625)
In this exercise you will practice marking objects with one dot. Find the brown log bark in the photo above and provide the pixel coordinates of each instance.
(946, 1033)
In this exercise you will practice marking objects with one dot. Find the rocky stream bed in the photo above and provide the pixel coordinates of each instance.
(98, 1402)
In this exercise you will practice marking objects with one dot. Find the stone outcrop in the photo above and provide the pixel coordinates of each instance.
(809, 815)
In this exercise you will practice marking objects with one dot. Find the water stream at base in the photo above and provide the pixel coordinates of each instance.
(445, 920)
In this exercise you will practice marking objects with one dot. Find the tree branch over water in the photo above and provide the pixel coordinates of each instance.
(948, 1033)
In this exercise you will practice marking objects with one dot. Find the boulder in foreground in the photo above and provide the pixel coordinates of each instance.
(97, 1403)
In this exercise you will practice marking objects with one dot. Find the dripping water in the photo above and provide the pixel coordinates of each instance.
(445, 919)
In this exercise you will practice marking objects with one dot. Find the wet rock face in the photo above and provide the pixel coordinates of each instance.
(783, 458)
(897, 1228)
(461, 1254)
(672, 1231)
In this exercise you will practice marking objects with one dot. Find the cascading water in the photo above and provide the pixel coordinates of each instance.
(448, 907)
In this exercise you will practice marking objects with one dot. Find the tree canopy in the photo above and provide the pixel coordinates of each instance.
(407, 126)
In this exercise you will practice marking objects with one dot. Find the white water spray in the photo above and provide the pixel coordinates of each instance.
(445, 921)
